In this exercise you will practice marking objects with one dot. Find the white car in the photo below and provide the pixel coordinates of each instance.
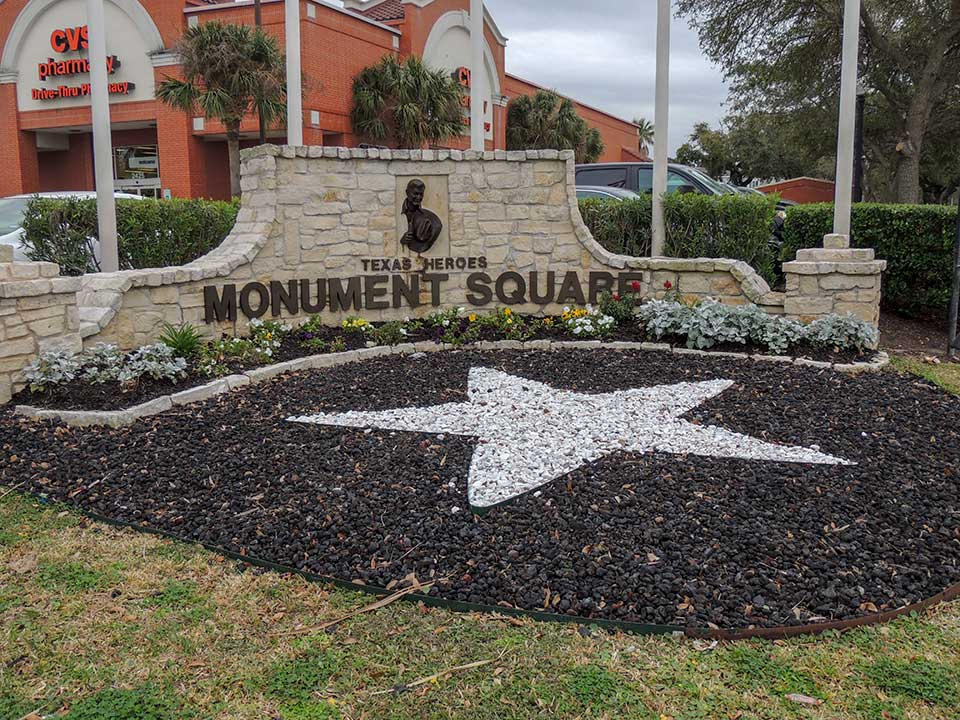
(12, 209)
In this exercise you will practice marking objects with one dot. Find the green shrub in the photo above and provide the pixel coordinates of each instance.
(150, 233)
(620, 227)
(915, 240)
(722, 226)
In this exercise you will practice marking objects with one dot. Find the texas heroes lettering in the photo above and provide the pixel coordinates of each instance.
(380, 292)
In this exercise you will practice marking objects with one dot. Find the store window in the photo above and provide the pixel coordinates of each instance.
(136, 170)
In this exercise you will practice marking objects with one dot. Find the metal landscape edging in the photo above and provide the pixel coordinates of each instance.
(199, 393)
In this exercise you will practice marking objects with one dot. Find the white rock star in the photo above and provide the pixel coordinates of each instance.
(529, 433)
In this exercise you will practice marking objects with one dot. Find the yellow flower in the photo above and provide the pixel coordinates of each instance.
(508, 312)
(509, 321)
(472, 318)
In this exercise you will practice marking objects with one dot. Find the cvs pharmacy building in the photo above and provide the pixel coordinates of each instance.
(45, 126)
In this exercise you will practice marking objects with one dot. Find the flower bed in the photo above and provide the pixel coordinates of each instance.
(670, 538)
(102, 378)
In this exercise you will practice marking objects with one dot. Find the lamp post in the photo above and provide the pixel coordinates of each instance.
(952, 348)
(846, 126)
(102, 139)
(294, 82)
(258, 22)
(660, 121)
(477, 76)
(858, 145)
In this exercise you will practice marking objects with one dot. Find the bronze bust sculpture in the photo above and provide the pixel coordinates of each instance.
(423, 226)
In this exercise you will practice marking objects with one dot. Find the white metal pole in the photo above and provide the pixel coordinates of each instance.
(102, 139)
(294, 81)
(661, 122)
(848, 116)
(477, 76)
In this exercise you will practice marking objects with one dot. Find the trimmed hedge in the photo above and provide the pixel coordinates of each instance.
(915, 240)
(620, 227)
(150, 233)
(738, 227)
(728, 226)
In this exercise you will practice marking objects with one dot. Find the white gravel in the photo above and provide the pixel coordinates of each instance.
(529, 433)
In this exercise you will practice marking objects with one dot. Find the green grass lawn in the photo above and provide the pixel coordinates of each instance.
(101, 623)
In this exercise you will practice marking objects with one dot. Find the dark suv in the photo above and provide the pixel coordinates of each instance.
(638, 176)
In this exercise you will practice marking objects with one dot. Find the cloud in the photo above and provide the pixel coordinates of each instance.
(604, 54)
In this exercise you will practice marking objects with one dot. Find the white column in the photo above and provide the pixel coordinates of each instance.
(477, 75)
(102, 140)
(661, 121)
(848, 116)
(294, 80)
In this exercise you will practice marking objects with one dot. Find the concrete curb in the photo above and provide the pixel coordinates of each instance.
(128, 416)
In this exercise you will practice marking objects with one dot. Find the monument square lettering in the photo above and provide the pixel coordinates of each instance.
(414, 289)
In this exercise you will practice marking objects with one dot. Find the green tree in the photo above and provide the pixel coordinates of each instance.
(757, 145)
(784, 54)
(229, 71)
(547, 121)
(645, 134)
(406, 104)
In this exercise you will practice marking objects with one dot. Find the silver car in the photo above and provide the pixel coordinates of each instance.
(11, 216)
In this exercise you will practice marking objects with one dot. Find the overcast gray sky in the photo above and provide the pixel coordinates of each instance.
(603, 52)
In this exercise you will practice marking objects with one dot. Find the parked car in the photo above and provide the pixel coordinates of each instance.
(12, 209)
(638, 177)
(597, 192)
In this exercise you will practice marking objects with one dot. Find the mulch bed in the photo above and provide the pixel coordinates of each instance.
(650, 538)
(80, 395)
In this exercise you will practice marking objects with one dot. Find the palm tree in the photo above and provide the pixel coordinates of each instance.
(229, 71)
(547, 121)
(405, 104)
(645, 134)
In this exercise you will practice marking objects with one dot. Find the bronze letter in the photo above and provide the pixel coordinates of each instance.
(341, 299)
(262, 292)
(599, 282)
(372, 290)
(479, 285)
(538, 299)
(220, 308)
(403, 291)
(309, 307)
(289, 297)
(517, 296)
(570, 289)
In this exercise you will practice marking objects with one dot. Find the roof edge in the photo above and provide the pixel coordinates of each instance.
(578, 102)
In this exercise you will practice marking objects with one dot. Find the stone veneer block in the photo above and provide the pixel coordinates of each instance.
(6, 253)
(836, 241)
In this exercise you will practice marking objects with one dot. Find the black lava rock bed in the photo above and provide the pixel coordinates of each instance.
(647, 538)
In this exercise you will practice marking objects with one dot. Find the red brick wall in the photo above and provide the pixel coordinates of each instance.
(619, 136)
(802, 190)
(68, 169)
(18, 152)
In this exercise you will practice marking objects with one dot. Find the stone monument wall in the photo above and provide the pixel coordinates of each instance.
(320, 231)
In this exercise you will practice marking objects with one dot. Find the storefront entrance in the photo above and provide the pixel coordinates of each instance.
(136, 170)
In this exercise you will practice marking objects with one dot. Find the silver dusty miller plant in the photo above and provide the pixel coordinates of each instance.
(54, 367)
(102, 363)
(157, 361)
(712, 323)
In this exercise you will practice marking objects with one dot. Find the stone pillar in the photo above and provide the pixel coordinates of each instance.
(38, 312)
(833, 279)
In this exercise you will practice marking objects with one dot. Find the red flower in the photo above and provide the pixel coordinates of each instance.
(616, 296)
(667, 284)
(635, 285)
